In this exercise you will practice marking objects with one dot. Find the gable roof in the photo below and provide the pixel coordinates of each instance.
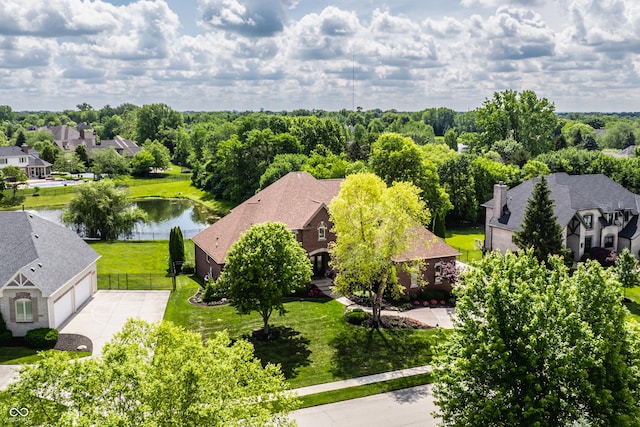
(12, 151)
(293, 200)
(426, 245)
(571, 193)
(47, 254)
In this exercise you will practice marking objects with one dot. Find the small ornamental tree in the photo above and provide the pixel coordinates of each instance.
(626, 270)
(264, 265)
(540, 231)
(176, 250)
(374, 225)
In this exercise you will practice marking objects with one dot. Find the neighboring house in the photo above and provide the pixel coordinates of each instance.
(30, 162)
(68, 138)
(300, 201)
(47, 272)
(593, 210)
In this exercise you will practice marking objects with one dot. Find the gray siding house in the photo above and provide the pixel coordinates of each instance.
(593, 210)
(47, 272)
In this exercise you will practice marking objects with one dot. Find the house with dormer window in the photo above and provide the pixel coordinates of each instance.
(301, 202)
(47, 272)
(593, 210)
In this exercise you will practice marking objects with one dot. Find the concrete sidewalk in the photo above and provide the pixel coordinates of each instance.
(354, 382)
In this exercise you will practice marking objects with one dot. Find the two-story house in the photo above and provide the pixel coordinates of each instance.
(30, 162)
(593, 210)
(300, 201)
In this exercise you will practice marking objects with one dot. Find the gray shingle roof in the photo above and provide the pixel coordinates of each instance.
(571, 193)
(47, 254)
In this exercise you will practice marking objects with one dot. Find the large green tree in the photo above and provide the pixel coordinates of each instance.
(524, 117)
(263, 265)
(397, 158)
(14, 177)
(540, 230)
(154, 375)
(160, 153)
(101, 210)
(374, 226)
(157, 122)
(536, 345)
(109, 162)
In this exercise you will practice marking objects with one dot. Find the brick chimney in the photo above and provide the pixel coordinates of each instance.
(499, 199)
(25, 148)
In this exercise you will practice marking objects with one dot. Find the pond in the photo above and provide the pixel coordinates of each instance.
(162, 215)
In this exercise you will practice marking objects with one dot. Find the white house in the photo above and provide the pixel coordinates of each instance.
(30, 162)
(47, 272)
(593, 210)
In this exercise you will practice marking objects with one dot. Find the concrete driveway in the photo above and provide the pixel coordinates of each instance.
(402, 408)
(107, 311)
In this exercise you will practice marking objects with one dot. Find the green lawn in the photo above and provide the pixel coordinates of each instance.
(316, 344)
(463, 239)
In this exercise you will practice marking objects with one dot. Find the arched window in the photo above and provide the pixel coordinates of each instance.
(24, 310)
(322, 231)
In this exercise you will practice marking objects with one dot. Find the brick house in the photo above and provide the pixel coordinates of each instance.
(300, 201)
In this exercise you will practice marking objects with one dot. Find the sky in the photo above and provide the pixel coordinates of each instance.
(281, 55)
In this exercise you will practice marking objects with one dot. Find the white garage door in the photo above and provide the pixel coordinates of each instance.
(83, 291)
(63, 308)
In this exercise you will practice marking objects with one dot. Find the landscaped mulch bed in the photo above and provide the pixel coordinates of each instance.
(395, 322)
(197, 300)
(71, 342)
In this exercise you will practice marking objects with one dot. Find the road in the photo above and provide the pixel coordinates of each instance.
(402, 408)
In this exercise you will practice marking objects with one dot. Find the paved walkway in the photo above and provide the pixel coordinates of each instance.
(436, 317)
(369, 379)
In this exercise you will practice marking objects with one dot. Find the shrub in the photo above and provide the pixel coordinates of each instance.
(213, 291)
(41, 338)
(188, 267)
(356, 316)
(5, 334)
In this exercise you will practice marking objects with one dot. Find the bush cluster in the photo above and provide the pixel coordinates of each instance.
(357, 316)
(5, 334)
(188, 267)
(41, 338)
(214, 291)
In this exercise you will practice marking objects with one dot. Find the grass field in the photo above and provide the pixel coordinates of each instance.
(316, 344)
(464, 239)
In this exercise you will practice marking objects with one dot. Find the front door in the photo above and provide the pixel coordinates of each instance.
(320, 263)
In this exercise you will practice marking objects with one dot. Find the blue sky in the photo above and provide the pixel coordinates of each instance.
(582, 55)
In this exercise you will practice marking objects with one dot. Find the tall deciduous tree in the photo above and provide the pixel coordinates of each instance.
(538, 346)
(373, 225)
(397, 158)
(266, 263)
(154, 375)
(160, 153)
(626, 270)
(100, 210)
(14, 177)
(176, 249)
(540, 230)
(521, 116)
(110, 163)
(156, 122)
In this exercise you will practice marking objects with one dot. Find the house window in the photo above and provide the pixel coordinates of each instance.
(207, 258)
(608, 241)
(24, 310)
(3, 161)
(587, 243)
(414, 279)
(23, 160)
(588, 221)
(626, 216)
(438, 270)
(322, 231)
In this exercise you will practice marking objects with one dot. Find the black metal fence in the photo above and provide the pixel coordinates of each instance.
(143, 281)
